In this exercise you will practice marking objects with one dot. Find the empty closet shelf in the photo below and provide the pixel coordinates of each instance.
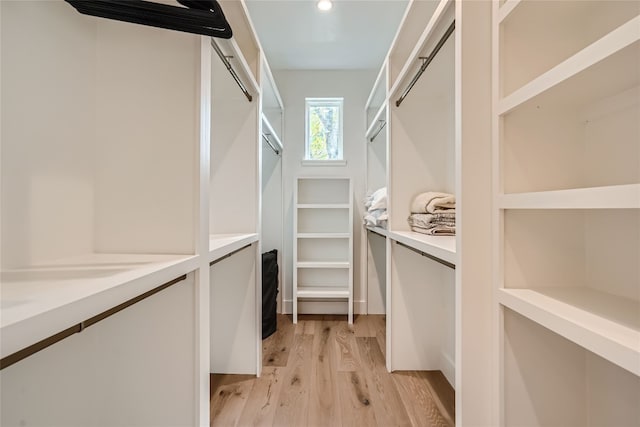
(605, 324)
(323, 206)
(442, 247)
(223, 244)
(40, 301)
(378, 230)
(323, 264)
(323, 235)
(609, 197)
(322, 292)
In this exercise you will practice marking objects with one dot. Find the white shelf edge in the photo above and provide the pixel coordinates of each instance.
(506, 9)
(608, 45)
(272, 132)
(375, 120)
(612, 341)
(323, 236)
(322, 292)
(322, 205)
(78, 300)
(437, 16)
(223, 244)
(323, 264)
(379, 79)
(378, 230)
(609, 197)
(441, 247)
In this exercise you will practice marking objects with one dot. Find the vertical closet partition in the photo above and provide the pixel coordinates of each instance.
(438, 302)
(272, 150)
(234, 199)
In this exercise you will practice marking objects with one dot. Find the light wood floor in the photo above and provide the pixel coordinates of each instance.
(321, 372)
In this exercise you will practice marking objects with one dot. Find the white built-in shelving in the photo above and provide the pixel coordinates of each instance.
(119, 186)
(323, 241)
(567, 211)
(437, 139)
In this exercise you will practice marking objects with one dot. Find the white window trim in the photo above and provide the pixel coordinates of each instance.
(307, 161)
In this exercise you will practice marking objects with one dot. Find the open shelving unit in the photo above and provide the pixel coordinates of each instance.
(99, 208)
(437, 137)
(323, 241)
(567, 224)
(116, 206)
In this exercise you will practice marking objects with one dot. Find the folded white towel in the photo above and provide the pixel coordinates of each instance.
(377, 200)
(436, 230)
(432, 202)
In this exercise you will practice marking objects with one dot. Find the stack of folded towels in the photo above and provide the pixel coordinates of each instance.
(433, 213)
(376, 205)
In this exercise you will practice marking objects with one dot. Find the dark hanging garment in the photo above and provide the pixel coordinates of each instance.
(269, 292)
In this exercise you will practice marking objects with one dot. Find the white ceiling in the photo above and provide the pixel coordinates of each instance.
(354, 34)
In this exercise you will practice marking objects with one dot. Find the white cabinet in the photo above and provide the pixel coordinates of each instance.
(323, 241)
(567, 211)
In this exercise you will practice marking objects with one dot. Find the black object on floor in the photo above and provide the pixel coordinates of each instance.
(269, 292)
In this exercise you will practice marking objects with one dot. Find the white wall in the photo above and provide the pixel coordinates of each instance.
(354, 87)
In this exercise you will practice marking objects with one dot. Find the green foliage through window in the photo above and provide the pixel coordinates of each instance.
(324, 129)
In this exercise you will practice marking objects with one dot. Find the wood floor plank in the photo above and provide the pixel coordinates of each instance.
(260, 409)
(229, 394)
(386, 401)
(442, 392)
(379, 328)
(332, 378)
(362, 326)
(347, 355)
(355, 400)
(324, 402)
(276, 348)
(293, 404)
(418, 400)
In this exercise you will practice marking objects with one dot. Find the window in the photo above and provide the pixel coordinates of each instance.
(323, 129)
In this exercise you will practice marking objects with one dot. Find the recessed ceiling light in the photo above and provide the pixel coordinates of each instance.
(325, 5)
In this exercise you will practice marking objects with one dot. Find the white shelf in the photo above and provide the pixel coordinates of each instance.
(375, 121)
(223, 244)
(441, 247)
(323, 235)
(507, 8)
(271, 132)
(322, 292)
(444, 8)
(323, 206)
(323, 264)
(610, 197)
(602, 323)
(43, 300)
(607, 46)
(378, 230)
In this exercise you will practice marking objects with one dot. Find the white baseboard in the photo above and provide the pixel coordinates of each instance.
(448, 368)
(324, 307)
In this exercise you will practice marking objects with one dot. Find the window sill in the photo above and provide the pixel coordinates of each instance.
(324, 163)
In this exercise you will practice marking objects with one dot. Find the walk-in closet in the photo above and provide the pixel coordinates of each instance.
(319, 212)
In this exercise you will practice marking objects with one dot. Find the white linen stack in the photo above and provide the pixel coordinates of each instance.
(433, 213)
(376, 205)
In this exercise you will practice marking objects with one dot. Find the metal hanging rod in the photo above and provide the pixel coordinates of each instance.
(223, 257)
(426, 61)
(268, 141)
(79, 327)
(382, 125)
(426, 255)
(227, 64)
